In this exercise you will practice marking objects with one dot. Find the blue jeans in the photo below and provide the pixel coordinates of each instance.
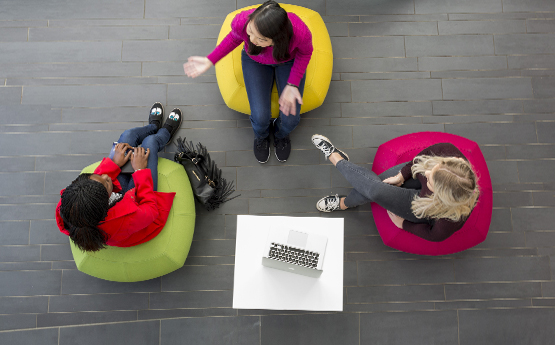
(259, 81)
(368, 187)
(150, 138)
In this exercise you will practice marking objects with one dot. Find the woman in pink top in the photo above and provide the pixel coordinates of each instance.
(278, 45)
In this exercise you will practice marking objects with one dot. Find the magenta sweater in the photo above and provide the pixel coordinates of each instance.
(300, 46)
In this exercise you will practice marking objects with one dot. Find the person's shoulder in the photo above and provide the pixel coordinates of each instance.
(443, 147)
(446, 150)
(241, 19)
(296, 21)
(300, 29)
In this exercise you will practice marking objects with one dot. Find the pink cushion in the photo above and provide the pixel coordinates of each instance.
(475, 229)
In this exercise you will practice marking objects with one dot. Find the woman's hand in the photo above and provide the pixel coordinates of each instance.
(287, 100)
(139, 160)
(398, 221)
(196, 65)
(121, 154)
(396, 180)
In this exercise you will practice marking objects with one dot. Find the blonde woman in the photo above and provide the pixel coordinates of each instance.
(430, 196)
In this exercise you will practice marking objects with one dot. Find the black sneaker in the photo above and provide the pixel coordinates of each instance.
(156, 114)
(324, 144)
(262, 149)
(329, 203)
(282, 148)
(173, 122)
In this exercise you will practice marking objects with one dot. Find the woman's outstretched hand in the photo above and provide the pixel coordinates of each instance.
(122, 153)
(396, 180)
(288, 99)
(196, 65)
(398, 221)
(139, 160)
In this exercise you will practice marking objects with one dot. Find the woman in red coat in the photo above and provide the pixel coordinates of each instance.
(122, 210)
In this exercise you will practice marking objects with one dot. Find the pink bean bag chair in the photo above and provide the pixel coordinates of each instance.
(475, 229)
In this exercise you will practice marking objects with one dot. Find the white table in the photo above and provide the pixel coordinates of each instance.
(259, 287)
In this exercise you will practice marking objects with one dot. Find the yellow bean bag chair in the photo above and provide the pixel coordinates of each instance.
(229, 71)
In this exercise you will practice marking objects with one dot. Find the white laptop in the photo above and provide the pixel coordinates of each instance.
(295, 251)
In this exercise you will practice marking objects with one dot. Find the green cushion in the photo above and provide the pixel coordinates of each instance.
(163, 254)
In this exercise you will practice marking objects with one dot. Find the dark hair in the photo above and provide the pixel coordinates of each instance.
(84, 206)
(272, 22)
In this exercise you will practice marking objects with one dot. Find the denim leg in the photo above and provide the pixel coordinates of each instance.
(356, 199)
(391, 171)
(155, 143)
(411, 183)
(259, 80)
(135, 136)
(285, 124)
(370, 186)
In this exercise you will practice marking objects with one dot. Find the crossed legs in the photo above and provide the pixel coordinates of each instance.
(149, 137)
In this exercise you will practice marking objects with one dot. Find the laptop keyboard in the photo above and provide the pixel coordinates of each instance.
(293, 255)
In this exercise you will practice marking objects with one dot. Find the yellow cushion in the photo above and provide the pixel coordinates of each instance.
(229, 71)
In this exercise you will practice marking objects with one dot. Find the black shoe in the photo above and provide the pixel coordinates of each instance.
(262, 149)
(282, 148)
(173, 123)
(156, 114)
(325, 145)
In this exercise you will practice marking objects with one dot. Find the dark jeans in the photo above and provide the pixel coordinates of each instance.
(368, 187)
(259, 81)
(150, 138)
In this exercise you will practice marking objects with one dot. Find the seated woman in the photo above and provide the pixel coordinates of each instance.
(431, 196)
(277, 45)
(122, 210)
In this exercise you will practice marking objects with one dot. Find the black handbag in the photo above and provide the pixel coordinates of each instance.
(209, 187)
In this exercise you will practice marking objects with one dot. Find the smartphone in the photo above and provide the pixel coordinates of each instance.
(127, 168)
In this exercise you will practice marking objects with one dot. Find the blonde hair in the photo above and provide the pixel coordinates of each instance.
(455, 188)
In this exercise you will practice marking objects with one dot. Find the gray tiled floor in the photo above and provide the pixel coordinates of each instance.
(74, 74)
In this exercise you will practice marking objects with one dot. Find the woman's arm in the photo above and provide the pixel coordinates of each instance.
(197, 65)
(107, 166)
(226, 46)
(291, 93)
(302, 58)
(233, 38)
(145, 197)
(396, 180)
(147, 210)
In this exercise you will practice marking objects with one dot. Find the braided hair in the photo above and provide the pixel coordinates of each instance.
(84, 206)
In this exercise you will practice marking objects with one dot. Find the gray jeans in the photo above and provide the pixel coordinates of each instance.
(368, 187)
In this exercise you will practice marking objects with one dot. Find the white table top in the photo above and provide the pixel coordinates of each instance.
(260, 287)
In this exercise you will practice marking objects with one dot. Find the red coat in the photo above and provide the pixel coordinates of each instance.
(138, 217)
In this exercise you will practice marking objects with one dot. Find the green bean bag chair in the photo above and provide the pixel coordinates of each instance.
(163, 254)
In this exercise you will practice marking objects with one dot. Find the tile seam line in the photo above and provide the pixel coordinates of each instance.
(442, 302)
(82, 325)
(160, 319)
(453, 283)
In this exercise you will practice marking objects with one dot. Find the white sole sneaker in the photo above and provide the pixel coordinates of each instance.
(329, 203)
(324, 144)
